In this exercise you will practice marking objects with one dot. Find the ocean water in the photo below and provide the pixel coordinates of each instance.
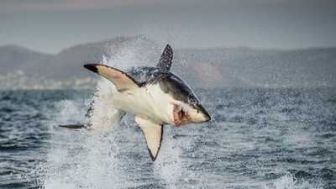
(258, 138)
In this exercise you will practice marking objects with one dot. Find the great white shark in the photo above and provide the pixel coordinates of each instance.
(155, 96)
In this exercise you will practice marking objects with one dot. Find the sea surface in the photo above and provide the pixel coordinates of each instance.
(258, 138)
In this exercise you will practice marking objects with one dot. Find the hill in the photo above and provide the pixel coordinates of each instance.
(205, 68)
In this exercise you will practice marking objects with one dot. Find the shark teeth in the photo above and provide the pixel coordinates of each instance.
(180, 115)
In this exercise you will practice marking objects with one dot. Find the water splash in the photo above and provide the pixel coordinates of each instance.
(288, 181)
(168, 164)
(82, 159)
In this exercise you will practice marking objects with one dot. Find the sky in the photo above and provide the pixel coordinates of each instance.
(52, 25)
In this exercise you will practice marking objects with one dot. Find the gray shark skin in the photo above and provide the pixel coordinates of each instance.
(155, 96)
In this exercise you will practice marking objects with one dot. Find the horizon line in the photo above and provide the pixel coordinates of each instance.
(182, 48)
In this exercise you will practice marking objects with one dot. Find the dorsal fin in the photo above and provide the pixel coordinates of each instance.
(166, 59)
(120, 79)
(153, 134)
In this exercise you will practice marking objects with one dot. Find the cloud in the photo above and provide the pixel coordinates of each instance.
(47, 5)
(50, 5)
(55, 24)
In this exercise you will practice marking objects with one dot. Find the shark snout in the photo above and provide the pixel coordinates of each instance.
(205, 116)
(189, 114)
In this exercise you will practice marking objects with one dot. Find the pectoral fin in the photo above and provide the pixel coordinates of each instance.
(153, 134)
(120, 79)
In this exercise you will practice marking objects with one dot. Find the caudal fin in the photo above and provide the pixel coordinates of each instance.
(73, 126)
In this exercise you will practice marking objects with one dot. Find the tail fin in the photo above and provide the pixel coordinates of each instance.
(73, 126)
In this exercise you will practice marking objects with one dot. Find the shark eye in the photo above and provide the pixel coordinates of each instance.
(193, 101)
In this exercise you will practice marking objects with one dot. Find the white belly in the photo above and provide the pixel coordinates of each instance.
(149, 102)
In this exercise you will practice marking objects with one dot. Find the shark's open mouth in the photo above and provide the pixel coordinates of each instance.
(180, 116)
